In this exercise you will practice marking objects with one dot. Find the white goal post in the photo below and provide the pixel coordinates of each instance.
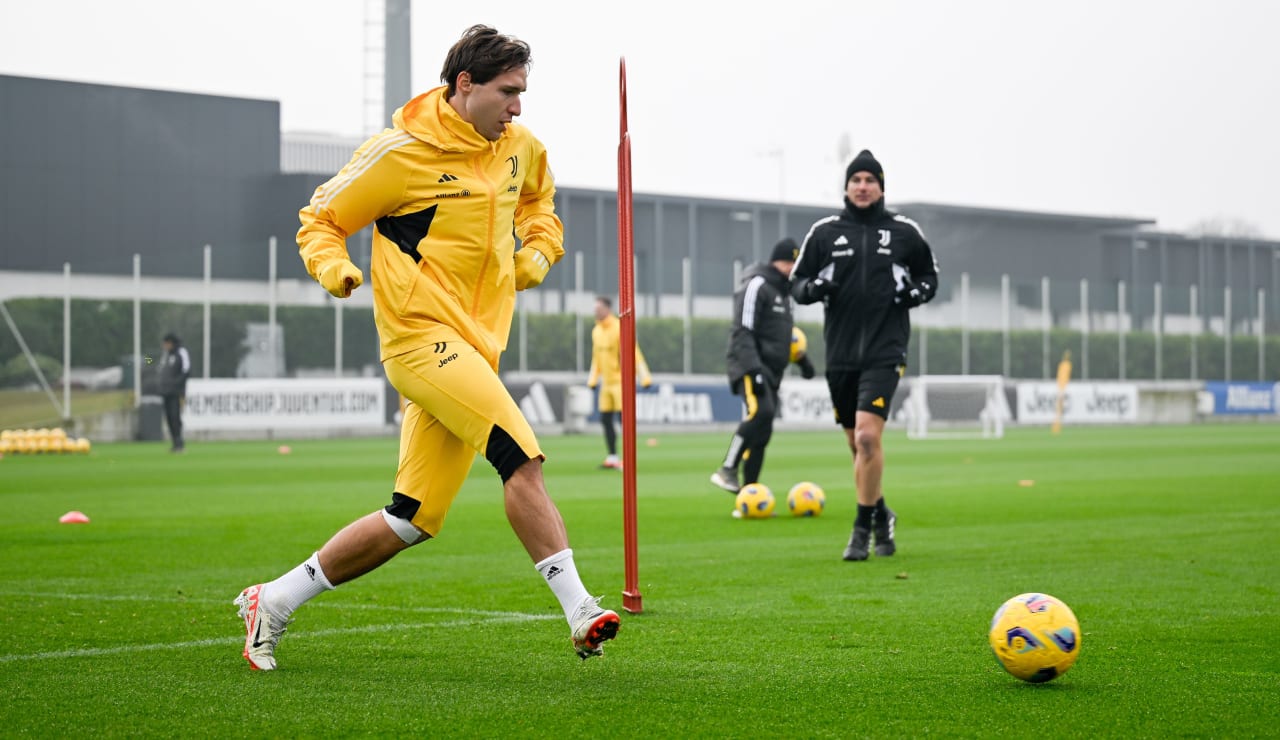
(951, 406)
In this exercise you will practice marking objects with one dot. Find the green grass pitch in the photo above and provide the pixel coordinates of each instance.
(1165, 541)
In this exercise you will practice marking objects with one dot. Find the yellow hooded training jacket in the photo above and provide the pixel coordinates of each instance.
(447, 204)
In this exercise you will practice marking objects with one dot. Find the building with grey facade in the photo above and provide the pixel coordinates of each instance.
(92, 175)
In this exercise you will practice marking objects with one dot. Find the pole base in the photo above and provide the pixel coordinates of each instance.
(631, 602)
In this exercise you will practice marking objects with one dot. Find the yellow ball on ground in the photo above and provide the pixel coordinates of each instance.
(1035, 637)
(755, 501)
(806, 499)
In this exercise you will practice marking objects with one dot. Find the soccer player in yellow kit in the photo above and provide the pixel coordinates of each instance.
(606, 372)
(446, 188)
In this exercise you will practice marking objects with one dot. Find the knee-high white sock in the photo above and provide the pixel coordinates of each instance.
(295, 588)
(562, 576)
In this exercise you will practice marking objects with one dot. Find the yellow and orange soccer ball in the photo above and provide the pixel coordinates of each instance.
(755, 501)
(1035, 637)
(806, 499)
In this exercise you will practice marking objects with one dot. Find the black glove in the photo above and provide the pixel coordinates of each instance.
(806, 367)
(818, 288)
(909, 295)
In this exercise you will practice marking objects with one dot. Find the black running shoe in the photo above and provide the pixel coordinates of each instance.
(858, 542)
(884, 526)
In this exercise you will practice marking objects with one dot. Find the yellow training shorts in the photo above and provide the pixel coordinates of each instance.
(610, 397)
(454, 400)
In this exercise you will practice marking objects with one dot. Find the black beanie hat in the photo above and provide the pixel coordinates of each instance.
(785, 251)
(865, 162)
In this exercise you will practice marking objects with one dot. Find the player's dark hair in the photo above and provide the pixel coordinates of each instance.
(608, 303)
(485, 54)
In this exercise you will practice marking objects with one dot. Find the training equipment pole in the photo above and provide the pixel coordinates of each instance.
(631, 600)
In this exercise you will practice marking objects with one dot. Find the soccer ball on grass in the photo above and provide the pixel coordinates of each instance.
(806, 499)
(755, 501)
(1035, 637)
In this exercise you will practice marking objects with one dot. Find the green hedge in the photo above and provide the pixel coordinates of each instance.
(102, 336)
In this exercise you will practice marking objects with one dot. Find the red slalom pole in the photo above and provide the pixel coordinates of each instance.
(631, 599)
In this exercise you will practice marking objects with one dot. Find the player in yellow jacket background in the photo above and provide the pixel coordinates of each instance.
(606, 372)
(446, 187)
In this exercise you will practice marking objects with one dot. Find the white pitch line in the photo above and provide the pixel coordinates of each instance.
(323, 604)
(122, 649)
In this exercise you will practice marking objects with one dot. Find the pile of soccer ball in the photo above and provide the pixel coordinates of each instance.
(756, 501)
(40, 441)
(1035, 637)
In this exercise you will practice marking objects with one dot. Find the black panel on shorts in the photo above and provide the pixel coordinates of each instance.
(504, 454)
(402, 507)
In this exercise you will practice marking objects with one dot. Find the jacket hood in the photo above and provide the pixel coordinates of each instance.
(765, 269)
(431, 119)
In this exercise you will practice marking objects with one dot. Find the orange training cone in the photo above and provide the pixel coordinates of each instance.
(73, 517)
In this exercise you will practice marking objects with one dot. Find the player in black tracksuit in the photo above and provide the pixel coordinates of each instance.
(175, 368)
(870, 267)
(758, 354)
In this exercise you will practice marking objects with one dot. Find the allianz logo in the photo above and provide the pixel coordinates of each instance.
(1243, 397)
(668, 405)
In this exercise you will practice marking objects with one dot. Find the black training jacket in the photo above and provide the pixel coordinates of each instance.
(870, 254)
(761, 335)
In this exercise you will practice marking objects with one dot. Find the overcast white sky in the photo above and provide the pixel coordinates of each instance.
(1165, 109)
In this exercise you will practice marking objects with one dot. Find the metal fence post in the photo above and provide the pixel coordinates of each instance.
(686, 270)
(1045, 320)
(1122, 315)
(137, 330)
(1005, 321)
(206, 320)
(1084, 329)
(964, 323)
(1226, 331)
(66, 342)
(1158, 327)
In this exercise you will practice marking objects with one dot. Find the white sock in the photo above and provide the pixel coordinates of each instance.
(295, 588)
(562, 576)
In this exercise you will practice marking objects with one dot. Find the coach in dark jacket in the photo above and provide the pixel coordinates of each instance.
(869, 266)
(175, 368)
(759, 351)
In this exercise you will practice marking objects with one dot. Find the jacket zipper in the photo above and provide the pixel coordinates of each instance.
(862, 287)
(488, 246)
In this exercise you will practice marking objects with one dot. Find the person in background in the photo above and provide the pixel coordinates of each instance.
(869, 267)
(175, 368)
(606, 373)
(758, 354)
